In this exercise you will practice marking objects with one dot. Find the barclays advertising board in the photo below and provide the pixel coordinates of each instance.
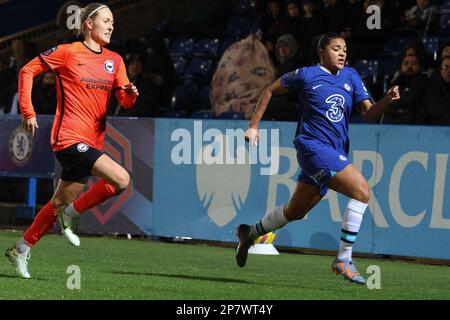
(207, 181)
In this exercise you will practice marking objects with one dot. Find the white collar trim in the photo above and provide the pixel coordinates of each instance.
(326, 70)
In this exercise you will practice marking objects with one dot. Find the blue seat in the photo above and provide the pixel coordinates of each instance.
(432, 45)
(395, 46)
(183, 96)
(203, 97)
(181, 48)
(207, 48)
(199, 70)
(202, 115)
(239, 26)
(367, 69)
(231, 115)
(388, 66)
(444, 20)
(244, 6)
(179, 64)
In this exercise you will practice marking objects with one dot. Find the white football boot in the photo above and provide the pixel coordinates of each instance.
(19, 261)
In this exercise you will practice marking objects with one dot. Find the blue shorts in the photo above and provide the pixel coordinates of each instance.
(319, 163)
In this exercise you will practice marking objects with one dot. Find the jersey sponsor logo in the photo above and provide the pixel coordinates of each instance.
(336, 111)
(342, 157)
(347, 87)
(49, 51)
(20, 146)
(108, 65)
(315, 87)
(82, 147)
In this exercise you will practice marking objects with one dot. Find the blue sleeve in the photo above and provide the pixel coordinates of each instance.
(293, 80)
(360, 92)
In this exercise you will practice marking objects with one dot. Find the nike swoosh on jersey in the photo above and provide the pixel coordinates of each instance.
(315, 87)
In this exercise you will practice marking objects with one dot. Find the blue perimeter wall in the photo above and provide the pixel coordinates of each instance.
(406, 167)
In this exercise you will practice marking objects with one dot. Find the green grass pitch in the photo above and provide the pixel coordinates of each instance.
(136, 269)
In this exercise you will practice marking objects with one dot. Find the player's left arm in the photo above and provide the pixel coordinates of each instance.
(372, 112)
(125, 91)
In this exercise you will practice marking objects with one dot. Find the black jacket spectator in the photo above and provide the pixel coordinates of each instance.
(44, 94)
(437, 98)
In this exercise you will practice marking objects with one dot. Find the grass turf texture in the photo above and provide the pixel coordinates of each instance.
(137, 269)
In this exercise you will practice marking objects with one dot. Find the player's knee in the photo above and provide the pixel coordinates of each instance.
(122, 181)
(364, 193)
(61, 201)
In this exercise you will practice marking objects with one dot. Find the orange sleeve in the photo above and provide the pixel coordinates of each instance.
(55, 57)
(120, 80)
(26, 75)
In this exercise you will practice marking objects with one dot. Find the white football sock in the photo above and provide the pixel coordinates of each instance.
(273, 220)
(70, 211)
(350, 226)
(22, 247)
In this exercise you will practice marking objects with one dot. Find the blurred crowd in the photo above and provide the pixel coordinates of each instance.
(288, 32)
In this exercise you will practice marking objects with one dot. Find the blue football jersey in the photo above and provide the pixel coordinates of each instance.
(329, 99)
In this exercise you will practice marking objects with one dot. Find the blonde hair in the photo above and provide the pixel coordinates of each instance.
(89, 12)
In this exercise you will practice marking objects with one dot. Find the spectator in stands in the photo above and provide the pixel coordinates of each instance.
(273, 23)
(437, 98)
(150, 100)
(44, 94)
(444, 51)
(312, 27)
(421, 19)
(288, 55)
(412, 84)
(416, 47)
(293, 19)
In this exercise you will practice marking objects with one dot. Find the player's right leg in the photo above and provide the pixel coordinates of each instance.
(19, 254)
(305, 197)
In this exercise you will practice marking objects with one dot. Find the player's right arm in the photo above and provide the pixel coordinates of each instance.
(251, 134)
(26, 76)
(52, 59)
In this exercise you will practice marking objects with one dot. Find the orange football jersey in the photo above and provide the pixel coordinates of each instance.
(85, 80)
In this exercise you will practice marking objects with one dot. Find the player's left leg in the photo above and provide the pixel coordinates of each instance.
(351, 183)
(114, 179)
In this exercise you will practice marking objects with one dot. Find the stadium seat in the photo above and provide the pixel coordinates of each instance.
(239, 26)
(244, 6)
(181, 48)
(231, 115)
(368, 69)
(179, 64)
(199, 70)
(202, 115)
(206, 48)
(432, 45)
(395, 46)
(183, 96)
(388, 66)
(203, 97)
(444, 23)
